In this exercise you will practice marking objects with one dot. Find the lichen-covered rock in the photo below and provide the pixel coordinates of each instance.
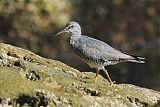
(27, 79)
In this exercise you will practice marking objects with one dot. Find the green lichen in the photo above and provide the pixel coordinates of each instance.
(27, 79)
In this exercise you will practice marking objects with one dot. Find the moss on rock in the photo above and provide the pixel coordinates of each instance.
(27, 79)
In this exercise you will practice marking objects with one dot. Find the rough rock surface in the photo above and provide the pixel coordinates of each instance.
(27, 79)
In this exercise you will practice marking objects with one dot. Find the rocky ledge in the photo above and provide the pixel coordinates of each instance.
(27, 79)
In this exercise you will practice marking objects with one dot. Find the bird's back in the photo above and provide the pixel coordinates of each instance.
(95, 50)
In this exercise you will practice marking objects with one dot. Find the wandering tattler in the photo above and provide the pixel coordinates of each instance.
(95, 53)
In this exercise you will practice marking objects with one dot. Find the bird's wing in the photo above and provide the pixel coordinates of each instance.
(99, 49)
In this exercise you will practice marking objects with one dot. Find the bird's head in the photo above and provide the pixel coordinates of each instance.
(73, 28)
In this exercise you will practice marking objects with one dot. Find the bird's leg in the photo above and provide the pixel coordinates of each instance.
(96, 77)
(112, 83)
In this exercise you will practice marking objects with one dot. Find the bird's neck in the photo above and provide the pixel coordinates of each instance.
(74, 38)
(74, 35)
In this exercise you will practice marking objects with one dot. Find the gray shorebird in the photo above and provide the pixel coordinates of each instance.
(95, 53)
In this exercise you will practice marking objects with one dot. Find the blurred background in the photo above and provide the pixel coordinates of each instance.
(132, 26)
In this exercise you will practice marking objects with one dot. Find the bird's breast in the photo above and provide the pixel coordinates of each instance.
(91, 60)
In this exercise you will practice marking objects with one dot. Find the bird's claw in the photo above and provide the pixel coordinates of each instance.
(113, 85)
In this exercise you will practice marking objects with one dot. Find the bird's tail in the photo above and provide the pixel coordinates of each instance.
(137, 59)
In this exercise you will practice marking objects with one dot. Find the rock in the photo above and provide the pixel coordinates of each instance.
(27, 79)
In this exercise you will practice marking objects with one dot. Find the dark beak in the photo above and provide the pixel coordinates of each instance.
(63, 31)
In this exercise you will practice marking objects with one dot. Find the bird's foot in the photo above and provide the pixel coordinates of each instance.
(96, 78)
(113, 85)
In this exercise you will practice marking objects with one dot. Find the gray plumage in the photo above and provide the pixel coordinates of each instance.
(95, 53)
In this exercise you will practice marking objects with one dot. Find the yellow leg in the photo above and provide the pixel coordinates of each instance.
(96, 77)
(109, 79)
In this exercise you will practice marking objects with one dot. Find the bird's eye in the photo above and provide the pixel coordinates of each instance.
(71, 26)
